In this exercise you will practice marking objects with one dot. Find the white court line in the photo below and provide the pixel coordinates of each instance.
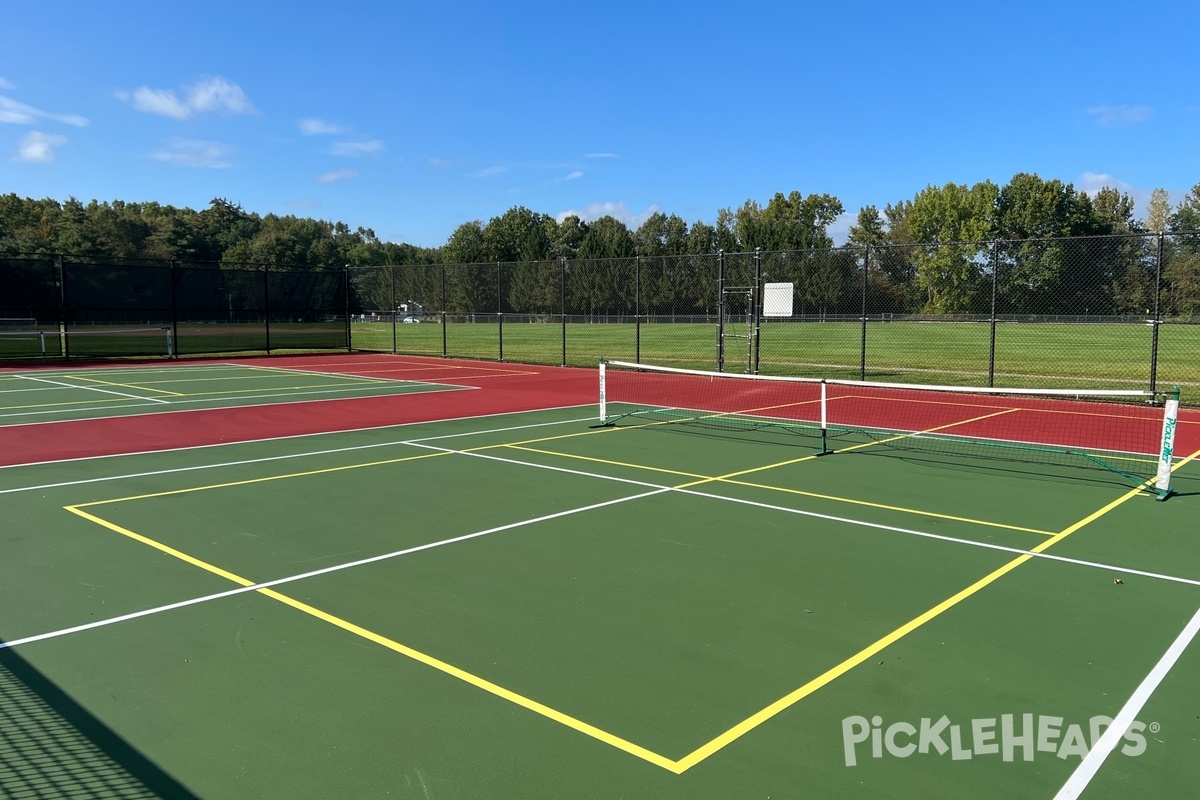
(266, 459)
(93, 389)
(834, 518)
(343, 389)
(1103, 748)
(323, 374)
(654, 489)
(323, 571)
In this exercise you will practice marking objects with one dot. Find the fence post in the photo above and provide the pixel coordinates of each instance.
(500, 310)
(637, 309)
(992, 340)
(64, 341)
(756, 307)
(445, 351)
(862, 356)
(174, 309)
(267, 305)
(1158, 265)
(346, 294)
(395, 308)
(720, 311)
(562, 304)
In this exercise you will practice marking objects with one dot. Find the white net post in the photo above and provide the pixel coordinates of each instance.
(603, 404)
(824, 419)
(1166, 456)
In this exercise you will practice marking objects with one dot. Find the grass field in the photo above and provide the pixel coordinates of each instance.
(522, 606)
(1027, 354)
(117, 340)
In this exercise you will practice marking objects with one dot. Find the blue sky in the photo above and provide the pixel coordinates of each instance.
(412, 118)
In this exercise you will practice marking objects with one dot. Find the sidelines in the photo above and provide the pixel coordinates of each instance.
(213, 399)
(62, 385)
(126, 385)
(589, 432)
(1036, 552)
(1103, 748)
(238, 443)
(713, 745)
(799, 492)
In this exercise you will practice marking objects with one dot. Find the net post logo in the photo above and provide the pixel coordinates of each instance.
(1005, 736)
(1168, 443)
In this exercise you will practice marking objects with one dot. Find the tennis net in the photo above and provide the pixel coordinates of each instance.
(1127, 432)
(99, 342)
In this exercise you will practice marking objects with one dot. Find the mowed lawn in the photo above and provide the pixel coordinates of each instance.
(1026, 354)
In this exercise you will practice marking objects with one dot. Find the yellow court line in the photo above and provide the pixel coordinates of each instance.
(122, 385)
(268, 389)
(699, 754)
(786, 490)
(319, 373)
(482, 683)
(452, 377)
(263, 479)
(704, 751)
(790, 699)
(416, 655)
(157, 545)
(342, 468)
(257, 377)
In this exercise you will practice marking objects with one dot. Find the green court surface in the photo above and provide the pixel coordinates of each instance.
(42, 395)
(522, 606)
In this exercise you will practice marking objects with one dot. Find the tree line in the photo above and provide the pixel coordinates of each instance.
(1052, 248)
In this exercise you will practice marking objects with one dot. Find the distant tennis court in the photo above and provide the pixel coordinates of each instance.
(38, 395)
(531, 604)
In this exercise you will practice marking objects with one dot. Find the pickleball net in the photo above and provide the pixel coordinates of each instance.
(1129, 433)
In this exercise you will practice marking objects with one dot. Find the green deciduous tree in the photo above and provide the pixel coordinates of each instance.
(953, 221)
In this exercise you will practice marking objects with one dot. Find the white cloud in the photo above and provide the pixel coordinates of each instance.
(156, 101)
(218, 94)
(337, 175)
(207, 95)
(196, 153)
(16, 113)
(594, 211)
(600, 155)
(6, 84)
(36, 147)
(1118, 116)
(312, 126)
(570, 176)
(1092, 182)
(490, 172)
(361, 147)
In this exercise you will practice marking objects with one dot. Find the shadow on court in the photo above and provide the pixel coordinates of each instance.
(51, 747)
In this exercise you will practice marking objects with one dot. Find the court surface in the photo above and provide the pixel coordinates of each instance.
(96, 392)
(520, 605)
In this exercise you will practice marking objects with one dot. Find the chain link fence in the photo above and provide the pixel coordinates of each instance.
(1086, 312)
(59, 307)
(1098, 312)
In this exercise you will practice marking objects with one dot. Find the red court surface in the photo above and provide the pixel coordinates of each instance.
(498, 388)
